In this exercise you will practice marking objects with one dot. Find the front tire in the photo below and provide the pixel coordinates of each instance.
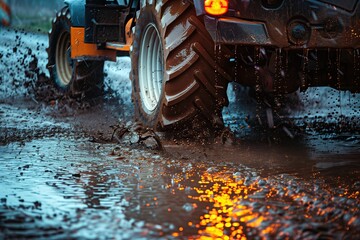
(75, 78)
(177, 78)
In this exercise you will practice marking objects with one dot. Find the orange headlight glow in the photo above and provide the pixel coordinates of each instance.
(216, 7)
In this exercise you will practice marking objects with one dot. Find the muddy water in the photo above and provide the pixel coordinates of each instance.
(57, 181)
(60, 184)
(66, 188)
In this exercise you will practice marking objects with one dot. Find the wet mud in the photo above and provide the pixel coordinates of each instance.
(62, 187)
(72, 170)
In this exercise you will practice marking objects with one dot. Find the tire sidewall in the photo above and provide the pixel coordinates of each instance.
(148, 15)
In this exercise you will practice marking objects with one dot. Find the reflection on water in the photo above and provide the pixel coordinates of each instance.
(242, 205)
(227, 216)
(64, 188)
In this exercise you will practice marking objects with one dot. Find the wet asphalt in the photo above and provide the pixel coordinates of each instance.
(63, 175)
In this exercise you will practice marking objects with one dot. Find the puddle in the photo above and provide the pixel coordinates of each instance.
(71, 188)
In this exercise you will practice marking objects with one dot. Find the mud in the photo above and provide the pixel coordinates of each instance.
(21, 125)
(86, 170)
(69, 186)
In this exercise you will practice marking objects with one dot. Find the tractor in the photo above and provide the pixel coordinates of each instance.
(184, 53)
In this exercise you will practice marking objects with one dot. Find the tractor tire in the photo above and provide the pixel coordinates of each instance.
(177, 76)
(75, 78)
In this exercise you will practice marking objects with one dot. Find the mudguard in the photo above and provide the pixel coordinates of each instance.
(77, 11)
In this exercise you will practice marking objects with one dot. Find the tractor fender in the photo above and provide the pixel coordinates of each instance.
(77, 12)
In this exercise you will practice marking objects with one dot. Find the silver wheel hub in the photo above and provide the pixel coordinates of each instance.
(151, 69)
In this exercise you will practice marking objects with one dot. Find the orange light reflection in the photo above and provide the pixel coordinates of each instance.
(227, 218)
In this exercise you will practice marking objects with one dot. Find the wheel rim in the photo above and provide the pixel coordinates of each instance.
(151, 68)
(63, 59)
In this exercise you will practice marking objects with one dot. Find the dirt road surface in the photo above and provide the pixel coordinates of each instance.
(65, 173)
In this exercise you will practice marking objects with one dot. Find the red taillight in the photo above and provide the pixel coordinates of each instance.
(216, 7)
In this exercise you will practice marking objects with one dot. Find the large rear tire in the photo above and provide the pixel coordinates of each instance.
(177, 77)
(76, 78)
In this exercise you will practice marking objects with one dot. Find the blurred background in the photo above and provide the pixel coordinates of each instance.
(34, 15)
